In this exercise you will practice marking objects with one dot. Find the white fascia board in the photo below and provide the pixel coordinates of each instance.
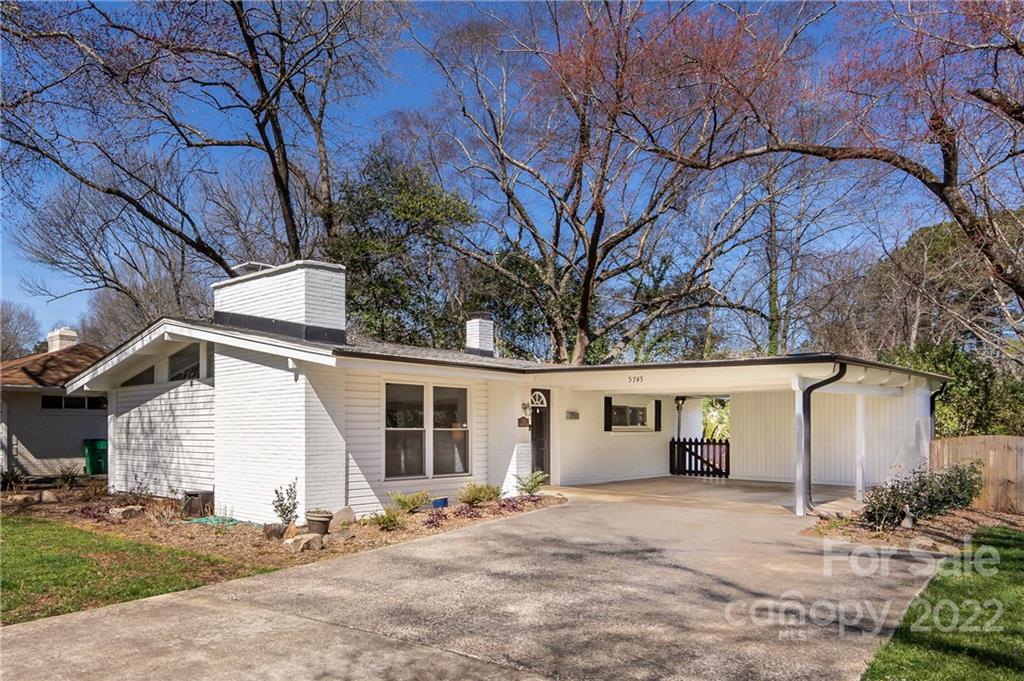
(170, 330)
(412, 367)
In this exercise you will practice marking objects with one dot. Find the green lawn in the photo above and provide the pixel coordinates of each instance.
(958, 655)
(49, 568)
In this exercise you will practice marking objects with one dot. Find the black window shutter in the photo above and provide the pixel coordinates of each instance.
(657, 415)
(608, 413)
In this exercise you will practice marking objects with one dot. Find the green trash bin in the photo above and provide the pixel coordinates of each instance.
(95, 452)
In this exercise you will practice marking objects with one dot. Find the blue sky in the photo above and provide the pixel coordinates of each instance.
(412, 85)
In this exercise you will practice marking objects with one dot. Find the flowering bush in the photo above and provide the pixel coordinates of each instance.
(924, 493)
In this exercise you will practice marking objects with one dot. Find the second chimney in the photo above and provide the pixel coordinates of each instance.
(61, 338)
(480, 334)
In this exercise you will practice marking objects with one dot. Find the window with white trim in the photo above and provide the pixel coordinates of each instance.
(416, 445)
(451, 431)
(404, 433)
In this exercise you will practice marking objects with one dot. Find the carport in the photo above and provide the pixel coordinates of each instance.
(797, 420)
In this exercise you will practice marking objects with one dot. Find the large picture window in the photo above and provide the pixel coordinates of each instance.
(404, 451)
(426, 431)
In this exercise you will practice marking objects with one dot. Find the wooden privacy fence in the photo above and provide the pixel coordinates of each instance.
(700, 457)
(1003, 459)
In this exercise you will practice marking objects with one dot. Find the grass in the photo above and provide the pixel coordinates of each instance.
(936, 655)
(50, 568)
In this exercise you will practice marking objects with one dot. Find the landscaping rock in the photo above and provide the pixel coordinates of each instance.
(303, 542)
(126, 512)
(336, 538)
(343, 517)
(274, 530)
(908, 518)
(292, 531)
(48, 496)
(21, 499)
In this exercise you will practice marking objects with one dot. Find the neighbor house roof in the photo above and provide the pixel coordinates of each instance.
(49, 369)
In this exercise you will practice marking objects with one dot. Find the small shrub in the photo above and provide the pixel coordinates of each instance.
(466, 511)
(926, 493)
(436, 517)
(163, 511)
(388, 520)
(67, 476)
(286, 502)
(410, 502)
(474, 493)
(530, 484)
(11, 480)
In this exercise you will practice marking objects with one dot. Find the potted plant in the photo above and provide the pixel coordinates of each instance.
(318, 520)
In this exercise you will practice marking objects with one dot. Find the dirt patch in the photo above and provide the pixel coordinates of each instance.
(947, 533)
(244, 543)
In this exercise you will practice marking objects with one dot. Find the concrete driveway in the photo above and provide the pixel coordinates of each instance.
(592, 589)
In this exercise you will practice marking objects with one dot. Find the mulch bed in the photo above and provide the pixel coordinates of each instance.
(946, 534)
(244, 543)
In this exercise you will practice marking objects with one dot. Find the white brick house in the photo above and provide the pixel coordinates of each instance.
(275, 390)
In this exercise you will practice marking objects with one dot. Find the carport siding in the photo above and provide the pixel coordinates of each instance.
(763, 433)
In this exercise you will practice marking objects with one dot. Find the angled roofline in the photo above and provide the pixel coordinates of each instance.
(198, 330)
(289, 346)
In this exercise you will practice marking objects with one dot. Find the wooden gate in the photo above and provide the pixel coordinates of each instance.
(700, 457)
(1002, 457)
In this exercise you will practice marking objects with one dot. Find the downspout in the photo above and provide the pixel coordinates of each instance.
(806, 398)
(931, 407)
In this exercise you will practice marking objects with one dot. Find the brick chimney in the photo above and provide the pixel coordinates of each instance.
(61, 338)
(303, 299)
(480, 334)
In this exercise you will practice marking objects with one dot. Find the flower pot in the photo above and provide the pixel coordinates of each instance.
(317, 522)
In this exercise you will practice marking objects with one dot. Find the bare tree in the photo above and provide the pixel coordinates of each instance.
(94, 91)
(940, 105)
(559, 179)
(19, 329)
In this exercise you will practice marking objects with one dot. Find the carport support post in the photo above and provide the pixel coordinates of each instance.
(800, 446)
(862, 445)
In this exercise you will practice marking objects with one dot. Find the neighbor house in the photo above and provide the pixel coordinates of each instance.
(42, 427)
(275, 389)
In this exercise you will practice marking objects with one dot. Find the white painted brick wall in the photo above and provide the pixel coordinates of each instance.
(297, 293)
(589, 454)
(260, 433)
(480, 334)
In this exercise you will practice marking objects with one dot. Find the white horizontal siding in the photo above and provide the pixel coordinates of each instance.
(163, 438)
(364, 422)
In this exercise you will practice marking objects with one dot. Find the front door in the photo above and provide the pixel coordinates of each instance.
(540, 429)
